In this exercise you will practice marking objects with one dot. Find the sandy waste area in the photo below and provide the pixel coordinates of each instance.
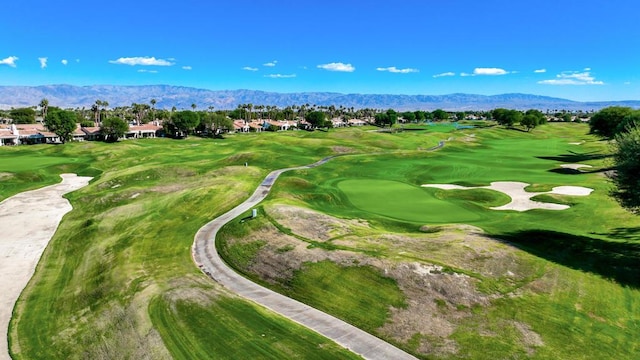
(27, 222)
(521, 199)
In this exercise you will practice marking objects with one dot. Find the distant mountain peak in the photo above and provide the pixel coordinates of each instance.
(167, 96)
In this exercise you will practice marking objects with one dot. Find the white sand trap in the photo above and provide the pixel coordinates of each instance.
(27, 222)
(575, 166)
(576, 143)
(521, 199)
(571, 190)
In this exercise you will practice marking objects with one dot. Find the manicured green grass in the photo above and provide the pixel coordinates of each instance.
(30, 167)
(403, 202)
(240, 331)
(23, 161)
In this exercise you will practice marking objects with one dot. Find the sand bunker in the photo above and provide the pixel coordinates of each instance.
(575, 166)
(521, 199)
(27, 222)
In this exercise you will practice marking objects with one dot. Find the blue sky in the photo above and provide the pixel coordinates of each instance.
(580, 50)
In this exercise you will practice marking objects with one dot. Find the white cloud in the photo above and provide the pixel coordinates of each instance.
(489, 71)
(11, 61)
(142, 60)
(572, 78)
(249, 68)
(337, 66)
(444, 74)
(393, 69)
(540, 71)
(43, 62)
(280, 76)
(627, 82)
(187, 68)
(64, 61)
(148, 71)
(587, 69)
(465, 74)
(271, 64)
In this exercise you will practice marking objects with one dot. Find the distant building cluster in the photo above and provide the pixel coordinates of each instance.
(19, 134)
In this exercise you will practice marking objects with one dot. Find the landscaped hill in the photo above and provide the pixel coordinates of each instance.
(182, 97)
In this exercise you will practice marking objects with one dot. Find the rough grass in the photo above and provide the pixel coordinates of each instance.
(241, 331)
(358, 294)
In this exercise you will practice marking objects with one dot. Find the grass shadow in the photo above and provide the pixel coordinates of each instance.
(574, 157)
(618, 261)
(568, 171)
(621, 233)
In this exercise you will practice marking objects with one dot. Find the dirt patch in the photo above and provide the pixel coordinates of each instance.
(282, 255)
(452, 246)
(530, 339)
(5, 175)
(468, 229)
(311, 224)
(436, 300)
(342, 149)
(194, 289)
(438, 297)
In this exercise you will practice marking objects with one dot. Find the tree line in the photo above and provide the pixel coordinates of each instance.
(622, 126)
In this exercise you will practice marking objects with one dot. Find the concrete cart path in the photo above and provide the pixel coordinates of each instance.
(206, 257)
(27, 222)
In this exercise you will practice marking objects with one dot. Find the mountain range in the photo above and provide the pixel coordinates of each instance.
(167, 96)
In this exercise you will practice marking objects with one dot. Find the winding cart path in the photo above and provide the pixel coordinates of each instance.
(206, 257)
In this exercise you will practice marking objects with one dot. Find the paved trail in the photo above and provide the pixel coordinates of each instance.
(27, 222)
(206, 257)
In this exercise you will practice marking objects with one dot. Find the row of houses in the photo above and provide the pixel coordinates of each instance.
(262, 125)
(16, 134)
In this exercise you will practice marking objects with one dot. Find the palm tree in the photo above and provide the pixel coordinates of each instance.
(153, 103)
(194, 106)
(96, 112)
(44, 106)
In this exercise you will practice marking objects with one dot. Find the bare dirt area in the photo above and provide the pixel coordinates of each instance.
(342, 150)
(312, 224)
(27, 223)
(433, 275)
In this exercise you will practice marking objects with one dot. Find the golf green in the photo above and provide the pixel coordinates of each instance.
(405, 202)
(27, 162)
